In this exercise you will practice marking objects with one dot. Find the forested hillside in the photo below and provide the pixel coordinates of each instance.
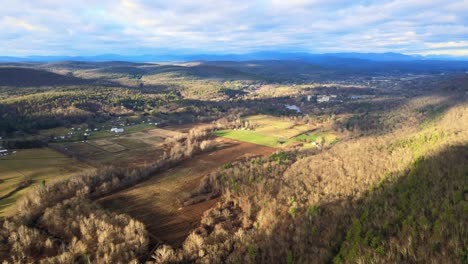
(27, 77)
(397, 197)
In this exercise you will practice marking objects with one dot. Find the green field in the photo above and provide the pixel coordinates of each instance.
(248, 136)
(269, 131)
(39, 165)
(276, 126)
(308, 137)
(277, 132)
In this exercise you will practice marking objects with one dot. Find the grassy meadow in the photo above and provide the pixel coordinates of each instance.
(38, 165)
(274, 131)
(276, 127)
(248, 136)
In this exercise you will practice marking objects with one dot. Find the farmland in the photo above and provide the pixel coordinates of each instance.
(182, 164)
(276, 127)
(137, 147)
(248, 136)
(132, 148)
(38, 165)
(273, 131)
(158, 202)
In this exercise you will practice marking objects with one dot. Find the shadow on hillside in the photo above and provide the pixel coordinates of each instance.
(383, 116)
(28, 77)
(416, 218)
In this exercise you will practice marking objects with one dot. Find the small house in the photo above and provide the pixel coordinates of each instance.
(117, 130)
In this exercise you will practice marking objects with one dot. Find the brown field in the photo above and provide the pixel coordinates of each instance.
(153, 137)
(113, 148)
(157, 202)
(136, 149)
(185, 128)
(100, 142)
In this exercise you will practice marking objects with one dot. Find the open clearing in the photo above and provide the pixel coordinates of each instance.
(36, 164)
(157, 202)
(269, 131)
(136, 149)
(277, 132)
(248, 136)
(276, 127)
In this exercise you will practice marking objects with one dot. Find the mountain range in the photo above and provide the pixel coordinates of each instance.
(263, 55)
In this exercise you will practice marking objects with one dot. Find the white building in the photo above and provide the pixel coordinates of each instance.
(117, 130)
(323, 98)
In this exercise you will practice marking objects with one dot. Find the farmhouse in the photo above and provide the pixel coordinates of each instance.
(117, 130)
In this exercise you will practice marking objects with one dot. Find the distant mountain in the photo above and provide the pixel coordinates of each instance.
(389, 56)
(263, 55)
(300, 65)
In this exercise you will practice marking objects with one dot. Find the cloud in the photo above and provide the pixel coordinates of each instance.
(450, 44)
(85, 27)
(450, 52)
(16, 23)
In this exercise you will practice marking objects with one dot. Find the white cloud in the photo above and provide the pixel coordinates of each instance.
(450, 52)
(450, 44)
(19, 23)
(92, 27)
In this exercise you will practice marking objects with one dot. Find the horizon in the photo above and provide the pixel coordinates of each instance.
(138, 27)
(252, 56)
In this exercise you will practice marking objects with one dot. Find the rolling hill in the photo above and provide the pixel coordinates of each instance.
(25, 77)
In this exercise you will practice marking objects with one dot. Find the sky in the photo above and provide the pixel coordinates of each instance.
(135, 27)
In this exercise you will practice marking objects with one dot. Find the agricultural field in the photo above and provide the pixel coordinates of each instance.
(30, 167)
(276, 132)
(276, 126)
(138, 148)
(249, 136)
(209, 162)
(158, 201)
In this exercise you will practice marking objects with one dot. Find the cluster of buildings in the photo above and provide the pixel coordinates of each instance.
(325, 98)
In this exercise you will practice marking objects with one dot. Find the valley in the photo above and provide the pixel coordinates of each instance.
(233, 132)
(231, 162)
